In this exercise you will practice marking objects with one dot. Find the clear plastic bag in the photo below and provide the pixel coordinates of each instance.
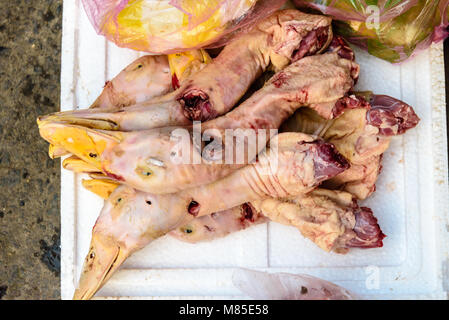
(171, 26)
(393, 30)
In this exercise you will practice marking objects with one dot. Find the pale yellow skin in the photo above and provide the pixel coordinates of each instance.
(285, 286)
(144, 159)
(146, 78)
(360, 142)
(101, 187)
(131, 219)
(216, 225)
(224, 81)
(326, 217)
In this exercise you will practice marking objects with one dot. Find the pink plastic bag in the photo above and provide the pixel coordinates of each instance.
(170, 26)
(393, 30)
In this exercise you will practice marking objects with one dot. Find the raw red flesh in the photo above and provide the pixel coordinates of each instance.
(367, 230)
(328, 162)
(391, 115)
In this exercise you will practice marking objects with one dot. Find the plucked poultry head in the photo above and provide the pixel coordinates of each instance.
(362, 127)
(105, 256)
(284, 37)
(137, 158)
(87, 144)
(145, 78)
(128, 221)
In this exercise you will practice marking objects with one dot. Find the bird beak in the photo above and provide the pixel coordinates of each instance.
(75, 164)
(85, 143)
(89, 118)
(55, 152)
(101, 187)
(104, 258)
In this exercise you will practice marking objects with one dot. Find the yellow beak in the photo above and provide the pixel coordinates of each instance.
(101, 187)
(89, 118)
(56, 152)
(104, 258)
(78, 165)
(85, 143)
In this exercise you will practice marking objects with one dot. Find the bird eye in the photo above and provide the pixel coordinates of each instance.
(144, 171)
(119, 200)
(148, 202)
(187, 230)
(92, 255)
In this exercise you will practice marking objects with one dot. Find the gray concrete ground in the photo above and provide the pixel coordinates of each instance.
(30, 41)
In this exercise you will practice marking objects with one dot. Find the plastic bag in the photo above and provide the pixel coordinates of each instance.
(171, 26)
(393, 30)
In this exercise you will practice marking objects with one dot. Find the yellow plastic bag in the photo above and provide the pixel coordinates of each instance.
(170, 26)
(391, 30)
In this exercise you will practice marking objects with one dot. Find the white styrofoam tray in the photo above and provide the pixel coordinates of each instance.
(411, 201)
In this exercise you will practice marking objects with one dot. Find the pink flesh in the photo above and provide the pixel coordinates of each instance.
(343, 49)
(145, 78)
(218, 87)
(391, 115)
(331, 219)
(290, 89)
(312, 43)
(295, 174)
(219, 224)
(349, 102)
(265, 109)
(159, 214)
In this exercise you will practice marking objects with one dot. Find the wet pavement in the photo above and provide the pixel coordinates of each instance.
(30, 40)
